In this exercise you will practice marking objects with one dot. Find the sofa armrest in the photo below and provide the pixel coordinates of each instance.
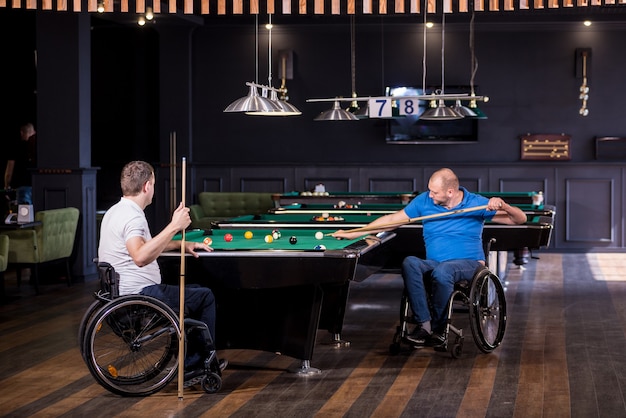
(4, 252)
(196, 213)
(22, 246)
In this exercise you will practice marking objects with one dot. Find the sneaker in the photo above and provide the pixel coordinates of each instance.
(418, 336)
(436, 340)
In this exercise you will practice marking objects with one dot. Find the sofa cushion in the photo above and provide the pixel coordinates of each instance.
(214, 206)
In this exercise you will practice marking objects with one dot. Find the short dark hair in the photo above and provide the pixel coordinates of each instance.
(134, 175)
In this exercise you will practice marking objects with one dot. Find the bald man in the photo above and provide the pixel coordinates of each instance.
(454, 248)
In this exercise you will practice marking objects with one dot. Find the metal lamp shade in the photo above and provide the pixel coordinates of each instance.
(441, 112)
(252, 103)
(284, 108)
(336, 113)
(464, 111)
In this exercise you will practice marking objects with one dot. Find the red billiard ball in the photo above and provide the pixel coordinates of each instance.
(293, 240)
(228, 237)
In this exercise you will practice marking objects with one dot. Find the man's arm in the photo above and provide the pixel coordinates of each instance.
(392, 218)
(144, 252)
(506, 214)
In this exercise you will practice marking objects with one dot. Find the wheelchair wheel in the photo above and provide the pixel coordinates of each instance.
(131, 345)
(82, 328)
(211, 383)
(487, 310)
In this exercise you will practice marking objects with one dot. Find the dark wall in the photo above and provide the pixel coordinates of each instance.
(18, 96)
(527, 71)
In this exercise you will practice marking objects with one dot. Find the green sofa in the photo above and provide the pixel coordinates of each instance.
(52, 240)
(216, 206)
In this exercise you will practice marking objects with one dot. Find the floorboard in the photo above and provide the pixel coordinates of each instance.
(562, 356)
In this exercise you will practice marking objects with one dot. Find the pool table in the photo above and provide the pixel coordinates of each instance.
(533, 234)
(310, 199)
(349, 198)
(274, 296)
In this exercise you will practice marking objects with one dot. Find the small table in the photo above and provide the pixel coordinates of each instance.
(17, 225)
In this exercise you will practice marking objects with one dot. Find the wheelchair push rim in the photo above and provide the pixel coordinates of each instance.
(487, 311)
(131, 345)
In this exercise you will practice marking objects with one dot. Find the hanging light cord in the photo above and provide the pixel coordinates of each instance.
(474, 60)
(443, 47)
(353, 54)
(269, 51)
(256, 48)
(424, 53)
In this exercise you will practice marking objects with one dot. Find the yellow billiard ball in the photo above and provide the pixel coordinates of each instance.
(269, 239)
(247, 235)
(208, 241)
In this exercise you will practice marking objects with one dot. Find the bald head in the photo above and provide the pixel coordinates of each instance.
(445, 179)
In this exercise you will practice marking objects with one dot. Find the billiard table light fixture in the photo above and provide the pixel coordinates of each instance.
(336, 113)
(252, 102)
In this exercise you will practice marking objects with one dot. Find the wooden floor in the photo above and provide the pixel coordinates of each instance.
(563, 355)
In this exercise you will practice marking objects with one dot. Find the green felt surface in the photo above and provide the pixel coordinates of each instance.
(330, 194)
(306, 239)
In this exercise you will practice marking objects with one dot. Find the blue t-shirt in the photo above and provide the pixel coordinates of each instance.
(457, 236)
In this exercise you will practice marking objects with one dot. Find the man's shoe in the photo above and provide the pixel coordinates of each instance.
(436, 340)
(222, 364)
(418, 336)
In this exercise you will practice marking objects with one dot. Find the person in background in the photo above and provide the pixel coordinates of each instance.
(126, 244)
(454, 248)
(21, 158)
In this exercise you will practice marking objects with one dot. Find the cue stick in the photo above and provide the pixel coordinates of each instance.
(181, 313)
(419, 218)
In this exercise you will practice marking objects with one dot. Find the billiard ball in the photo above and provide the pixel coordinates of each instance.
(228, 237)
(320, 247)
(208, 241)
(276, 234)
(247, 235)
(269, 239)
(293, 240)
(319, 235)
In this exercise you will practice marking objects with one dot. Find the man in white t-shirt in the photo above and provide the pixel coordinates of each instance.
(126, 244)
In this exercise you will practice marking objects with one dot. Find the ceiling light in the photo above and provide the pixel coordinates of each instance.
(336, 113)
(587, 23)
(100, 7)
(256, 105)
(283, 108)
(438, 109)
(252, 102)
(149, 13)
(141, 21)
(474, 65)
(464, 111)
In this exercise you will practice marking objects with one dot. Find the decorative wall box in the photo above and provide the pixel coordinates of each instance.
(546, 147)
(611, 148)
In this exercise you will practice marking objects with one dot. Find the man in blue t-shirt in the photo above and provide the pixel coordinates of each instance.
(454, 248)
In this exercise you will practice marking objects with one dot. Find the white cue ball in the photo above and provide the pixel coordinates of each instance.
(319, 235)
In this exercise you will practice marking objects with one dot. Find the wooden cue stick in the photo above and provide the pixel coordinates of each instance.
(419, 218)
(181, 313)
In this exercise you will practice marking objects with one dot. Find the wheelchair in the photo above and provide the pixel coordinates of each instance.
(130, 343)
(482, 296)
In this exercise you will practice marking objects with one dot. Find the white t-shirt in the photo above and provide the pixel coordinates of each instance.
(123, 221)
